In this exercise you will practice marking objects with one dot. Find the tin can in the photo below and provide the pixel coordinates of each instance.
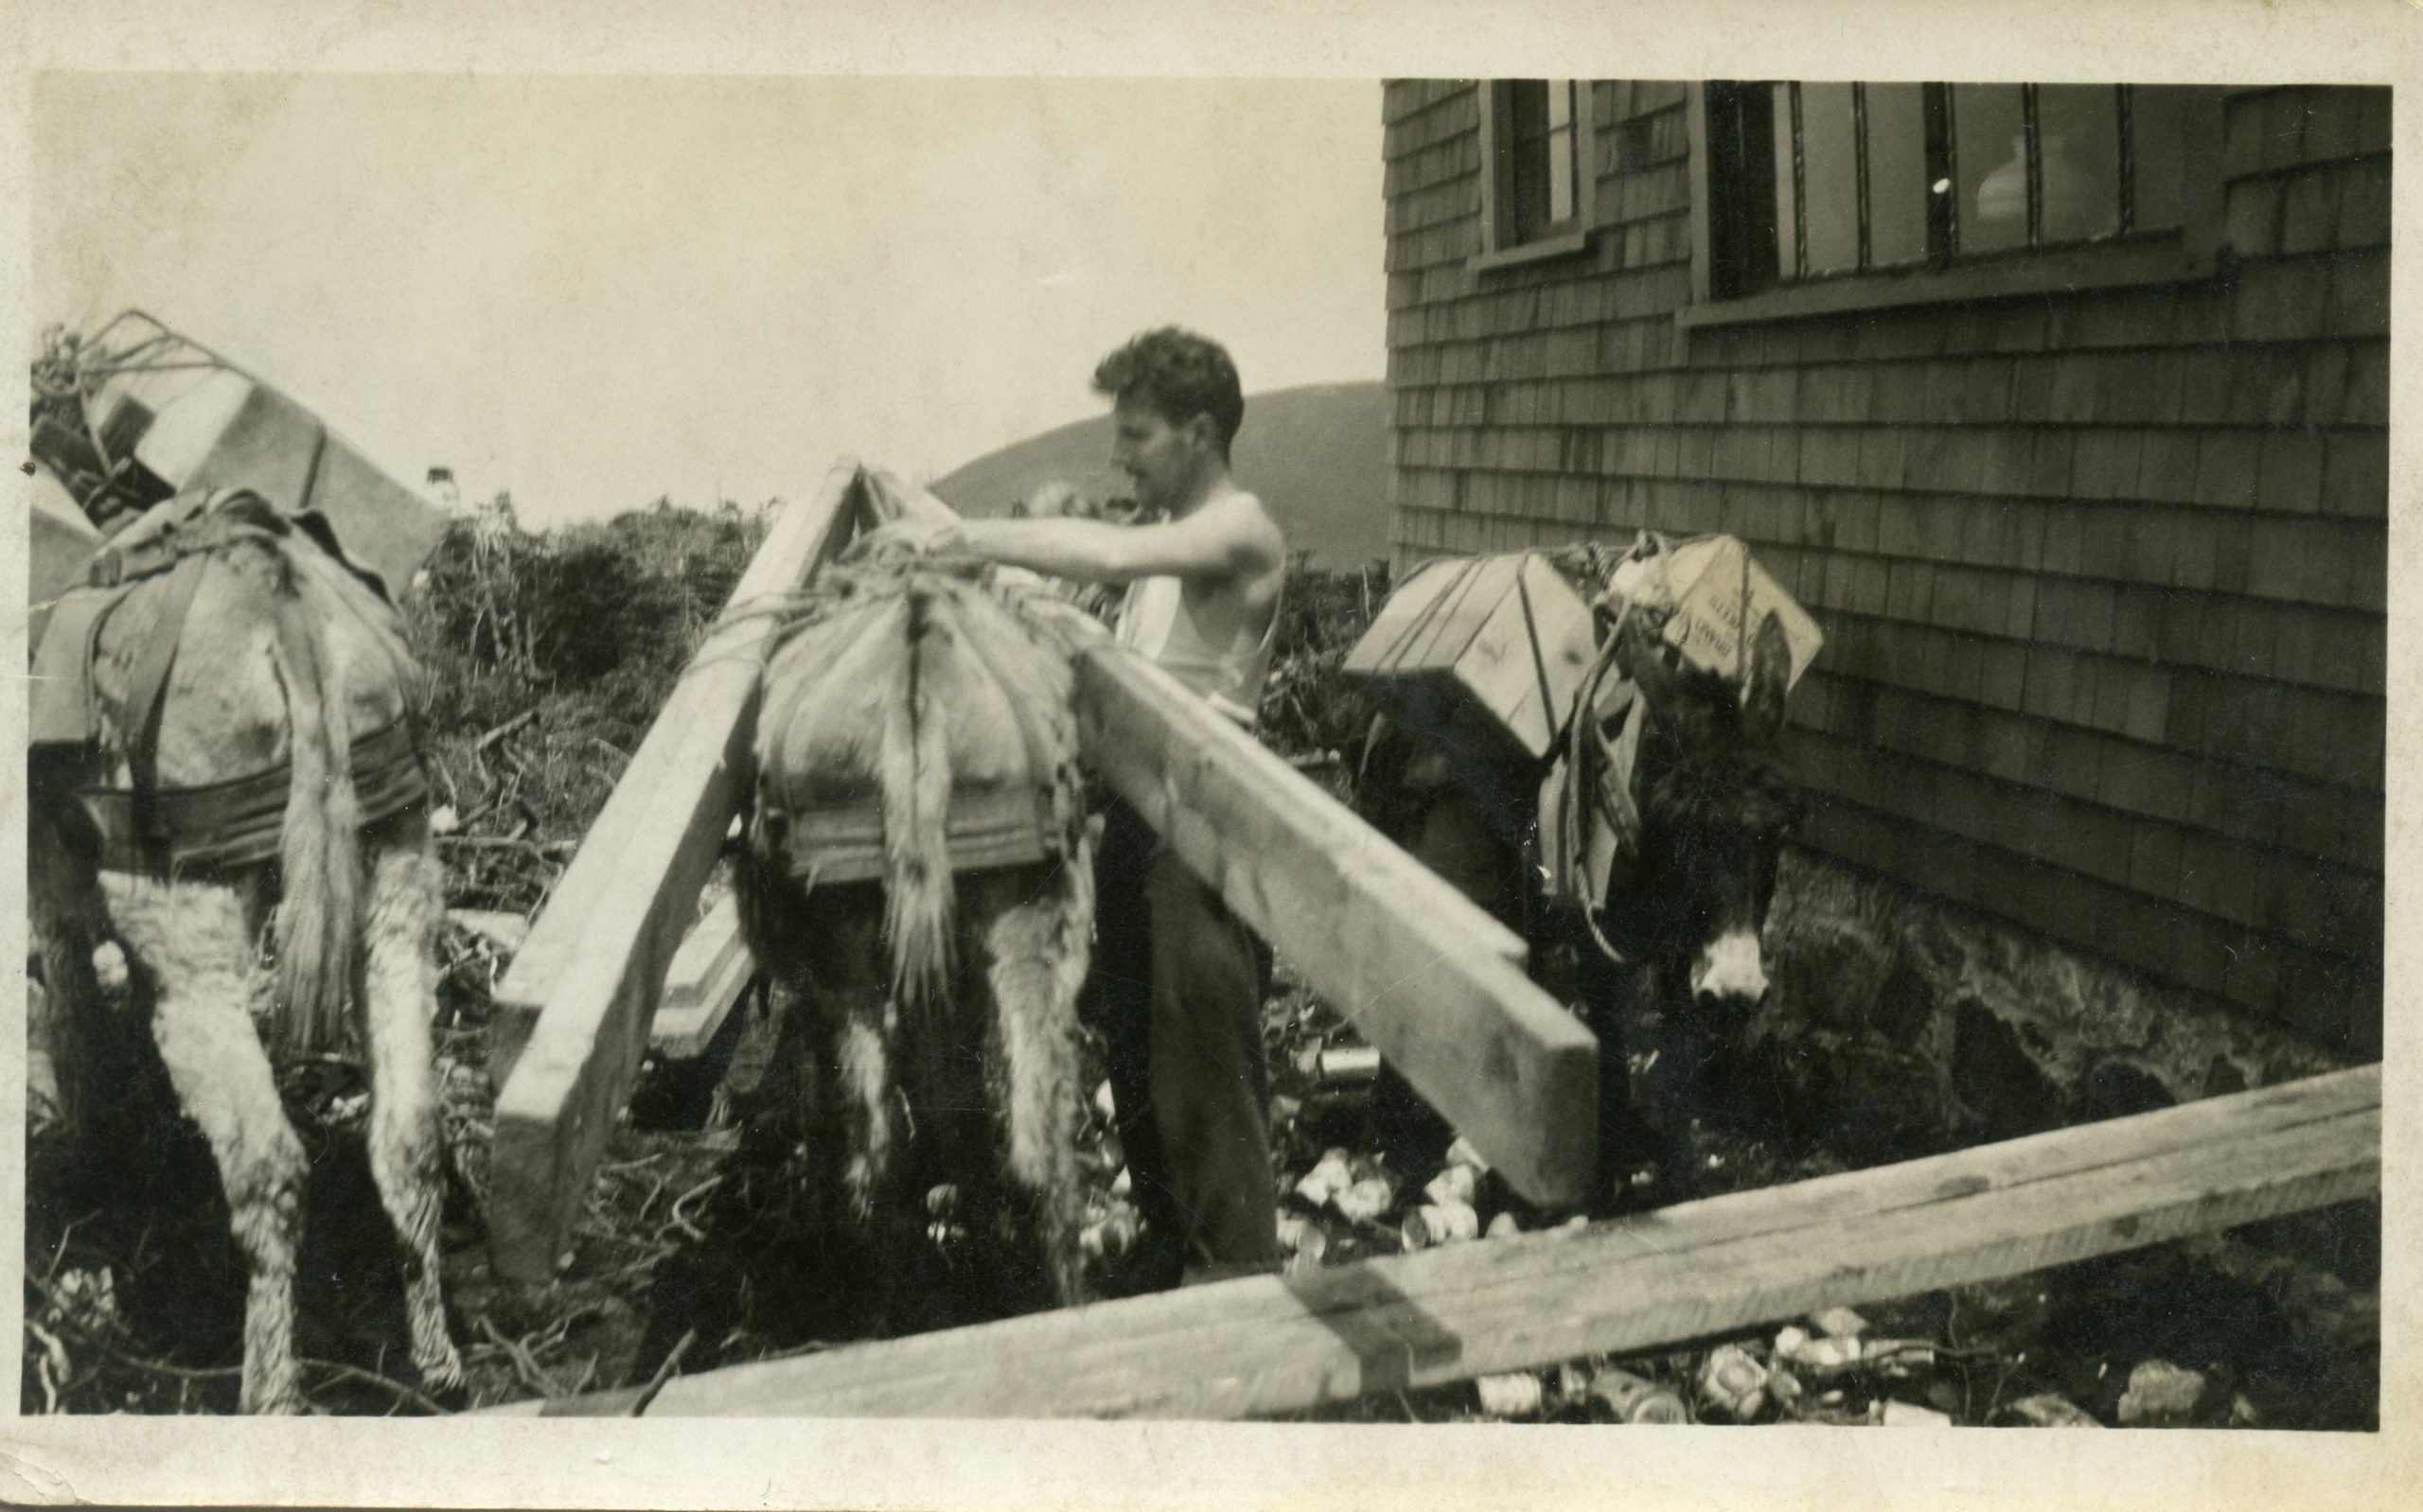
(1634, 1399)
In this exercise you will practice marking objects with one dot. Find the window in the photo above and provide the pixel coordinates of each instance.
(1897, 192)
(1535, 169)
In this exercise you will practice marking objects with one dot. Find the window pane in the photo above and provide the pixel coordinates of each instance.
(1787, 197)
(1528, 182)
(2080, 125)
(2158, 142)
(1829, 177)
(1897, 173)
(1527, 108)
(1990, 167)
(1560, 174)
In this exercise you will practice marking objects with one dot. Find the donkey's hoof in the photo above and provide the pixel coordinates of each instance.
(445, 1380)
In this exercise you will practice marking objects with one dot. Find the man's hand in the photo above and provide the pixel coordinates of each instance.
(915, 537)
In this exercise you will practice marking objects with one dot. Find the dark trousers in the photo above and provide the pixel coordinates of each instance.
(1177, 993)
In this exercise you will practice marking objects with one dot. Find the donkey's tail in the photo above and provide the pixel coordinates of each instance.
(318, 930)
(915, 772)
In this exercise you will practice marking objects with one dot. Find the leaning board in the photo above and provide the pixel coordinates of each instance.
(574, 1006)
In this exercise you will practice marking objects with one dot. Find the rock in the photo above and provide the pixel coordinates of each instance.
(1785, 1388)
(1105, 1107)
(1504, 1225)
(2160, 1395)
(2050, 1411)
(1732, 1384)
(1365, 1200)
(1454, 1185)
(1462, 1154)
(1327, 1178)
(1839, 1323)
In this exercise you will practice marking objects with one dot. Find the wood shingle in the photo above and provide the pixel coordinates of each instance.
(2102, 569)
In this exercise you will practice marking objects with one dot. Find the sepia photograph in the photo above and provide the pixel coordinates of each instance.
(1423, 759)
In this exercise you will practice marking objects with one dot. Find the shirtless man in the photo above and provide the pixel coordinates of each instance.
(1178, 983)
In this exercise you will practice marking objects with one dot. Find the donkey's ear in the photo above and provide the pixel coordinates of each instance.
(1770, 680)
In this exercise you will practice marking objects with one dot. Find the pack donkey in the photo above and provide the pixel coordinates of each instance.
(918, 881)
(220, 787)
(1660, 947)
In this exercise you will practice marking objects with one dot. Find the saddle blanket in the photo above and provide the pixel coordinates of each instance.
(229, 823)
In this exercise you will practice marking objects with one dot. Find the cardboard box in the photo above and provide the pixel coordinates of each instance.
(1502, 640)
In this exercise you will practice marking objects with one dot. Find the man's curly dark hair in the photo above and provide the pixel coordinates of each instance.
(1180, 374)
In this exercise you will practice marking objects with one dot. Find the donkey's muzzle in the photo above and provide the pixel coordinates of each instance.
(1730, 969)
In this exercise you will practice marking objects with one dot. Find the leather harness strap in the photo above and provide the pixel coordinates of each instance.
(239, 822)
(147, 691)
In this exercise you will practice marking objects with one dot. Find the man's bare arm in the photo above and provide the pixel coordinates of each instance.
(1227, 538)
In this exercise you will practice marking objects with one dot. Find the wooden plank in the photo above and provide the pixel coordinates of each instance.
(1425, 976)
(1432, 982)
(578, 999)
(1267, 1345)
(707, 977)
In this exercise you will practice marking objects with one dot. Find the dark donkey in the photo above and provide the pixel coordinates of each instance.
(1667, 968)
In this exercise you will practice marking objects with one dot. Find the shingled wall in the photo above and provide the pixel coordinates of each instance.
(2103, 574)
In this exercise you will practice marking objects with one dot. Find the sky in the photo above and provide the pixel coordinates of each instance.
(594, 291)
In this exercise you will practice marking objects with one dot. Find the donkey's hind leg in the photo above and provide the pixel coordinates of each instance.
(398, 998)
(194, 940)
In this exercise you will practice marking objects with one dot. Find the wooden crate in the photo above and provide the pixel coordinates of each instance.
(1503, 640)
(1710, 583)
(1009, 825)
(196, 420)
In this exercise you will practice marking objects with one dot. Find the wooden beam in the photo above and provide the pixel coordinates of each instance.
(1425, 976)
(576, 1004)
(1267, 1345)
(707, 977)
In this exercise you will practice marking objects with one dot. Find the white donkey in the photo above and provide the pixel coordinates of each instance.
(223, 781)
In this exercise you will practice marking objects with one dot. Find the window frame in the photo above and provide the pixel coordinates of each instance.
(2189, 252)
(1498, 246)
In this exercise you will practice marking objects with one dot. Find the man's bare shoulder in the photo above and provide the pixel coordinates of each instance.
(1240, 513)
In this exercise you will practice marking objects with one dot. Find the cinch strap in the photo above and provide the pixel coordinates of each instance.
(240, 822)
